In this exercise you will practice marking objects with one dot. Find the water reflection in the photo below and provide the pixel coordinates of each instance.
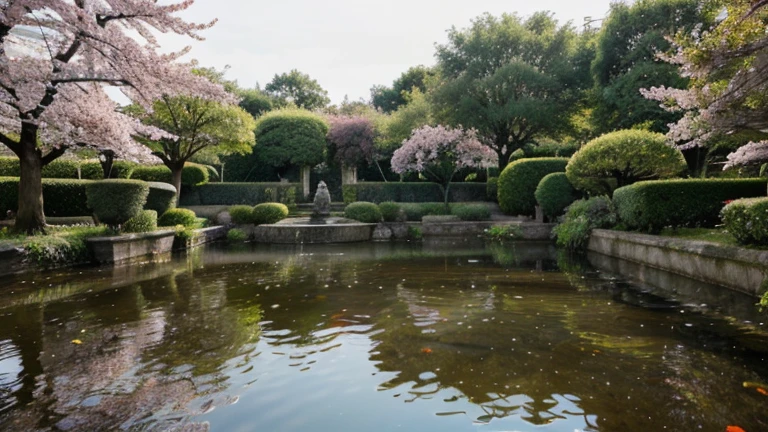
(369, 337)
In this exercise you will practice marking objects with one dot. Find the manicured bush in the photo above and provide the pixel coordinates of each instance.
(9, 166)
(91, 170)
(61, 197)
(236, 235)
(363, 211)
(269, 213)
(492, 189)
(416, 211)
(178, 216)
(115, 201)
(122, 169)
(403, 192)
(471, 212)
(391, 212)
(61, 168)
(241, 214)
(554, 193)
(581, 218)
(145, 221)
(747, 220)
(191, 174)
(517, 183)
(621, 158)
(239, 193)
(161, 198)
(652, 205)
(194, 174)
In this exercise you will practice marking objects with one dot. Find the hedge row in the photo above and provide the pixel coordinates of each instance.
(517, 183)
(61, 197)
(747, 220)
(59, 169)
(191, 174)
(239, 193)
(554, 193)
(378, 192)
(652, 205)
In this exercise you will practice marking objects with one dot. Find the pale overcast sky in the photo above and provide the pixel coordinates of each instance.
(346, 45)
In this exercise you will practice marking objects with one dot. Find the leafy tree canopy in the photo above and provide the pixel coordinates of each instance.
(389, 99)
(298, 89)
(291, 136)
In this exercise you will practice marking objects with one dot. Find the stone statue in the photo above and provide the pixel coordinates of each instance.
(322, 203)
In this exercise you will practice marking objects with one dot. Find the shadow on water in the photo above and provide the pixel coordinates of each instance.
(446, 335)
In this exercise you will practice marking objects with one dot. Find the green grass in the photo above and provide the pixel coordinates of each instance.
(715, 235)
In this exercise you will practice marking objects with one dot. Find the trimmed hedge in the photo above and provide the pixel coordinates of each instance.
(554, 193)
(492, 189)
(59, 168)
(241, 214)
(178, 216)
(191, 174)
(652, 205)
(747, 220)
(378, 192)
(9, 166)
(239, 193)
(269, 213)
(91, 170)
(392, 212)
(416, 211)
(363, 211)
(471, 212)
(517, 183)
(161, 198)
(61, 197)
(145, 221)
(114, 202)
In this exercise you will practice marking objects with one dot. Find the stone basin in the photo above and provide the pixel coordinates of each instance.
(314, 230)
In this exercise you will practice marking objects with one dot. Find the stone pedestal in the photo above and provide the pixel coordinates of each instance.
(305, 170)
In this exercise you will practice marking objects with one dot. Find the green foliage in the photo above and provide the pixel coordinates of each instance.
(122, 169)
(61, 246)
(652, 205)
(61, 197)
(291, 137)
(61, 168)
(621, 158)
(554, 193)
(412, 192)
(239, 193)
(161, 198)
(143, 222)
(255, 102)
(747, 220)
(114, 202)
(504, 232)
(492, 189)
(392, 212)
(416, 211)
(581, 218)
(397, 127)
(194, 174)
(269, 213)
(550, 149)
(91, 170)
(178, 216)
(236, 235)
(471, 212)
(389, 99)
(191, 175)
(9, 166)
(414, 233)
(241, 214)
(517, 183)
(299, 89)
(366, 212)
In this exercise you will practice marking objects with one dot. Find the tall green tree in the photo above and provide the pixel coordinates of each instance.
(255, 101)
(291, 137)
(626, 60)
(298, 89)
(389, 99)
(510, 78)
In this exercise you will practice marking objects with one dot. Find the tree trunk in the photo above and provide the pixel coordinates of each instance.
(446, 193)
(30, 217)
(107, 159)
(176, 169)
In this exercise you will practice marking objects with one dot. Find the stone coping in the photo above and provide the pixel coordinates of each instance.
(124, 238)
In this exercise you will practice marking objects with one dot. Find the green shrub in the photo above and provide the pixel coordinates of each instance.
(471, 212)
(239, 193)
(554, 193)
(122, 169)
(404, 192)
(416, 211)
(363, 211)
(391, 212)
(652, 205)
(145, 221)
(551, 149)
(61, 168)
(115, 201)
(504, 232)
(492, 189)
(91, 170)
(236, 235)
(269, 213)
(747, 220)
(191, 174)
(62, 246)
(621, 158)
(9, 166)
(194, 174)
(517, 183)
(581, 218)
(161, 198)
(61, 197)
(241, 214)
(178, 216)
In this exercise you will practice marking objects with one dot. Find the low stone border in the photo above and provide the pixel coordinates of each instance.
(529, 230)
(201, 236)
(128, 246)
(741, 269)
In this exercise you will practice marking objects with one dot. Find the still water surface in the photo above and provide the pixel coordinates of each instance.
(370, 337)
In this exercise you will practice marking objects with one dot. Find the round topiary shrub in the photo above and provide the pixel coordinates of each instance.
(178, 216)
(115, 201)
(746, 220)
(363, 211)
(145, 221)
(621, 158)
(517, 183)
(161, 198)
(194, 174)
(554, 193)
(491, 189)
(241, 214)
(236, 235)
(269, 213)
(471, 212)
(391, 212)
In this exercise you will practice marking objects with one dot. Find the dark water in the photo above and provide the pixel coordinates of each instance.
(374, 337)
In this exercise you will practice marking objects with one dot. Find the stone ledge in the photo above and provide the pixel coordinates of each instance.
(738, 268)
(529, 230)
(128, 246)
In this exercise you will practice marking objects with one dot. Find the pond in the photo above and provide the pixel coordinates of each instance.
(372, 337)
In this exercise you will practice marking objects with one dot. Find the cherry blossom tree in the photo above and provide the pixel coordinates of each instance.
(440, 152)
(351, 141)
(57, 57)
